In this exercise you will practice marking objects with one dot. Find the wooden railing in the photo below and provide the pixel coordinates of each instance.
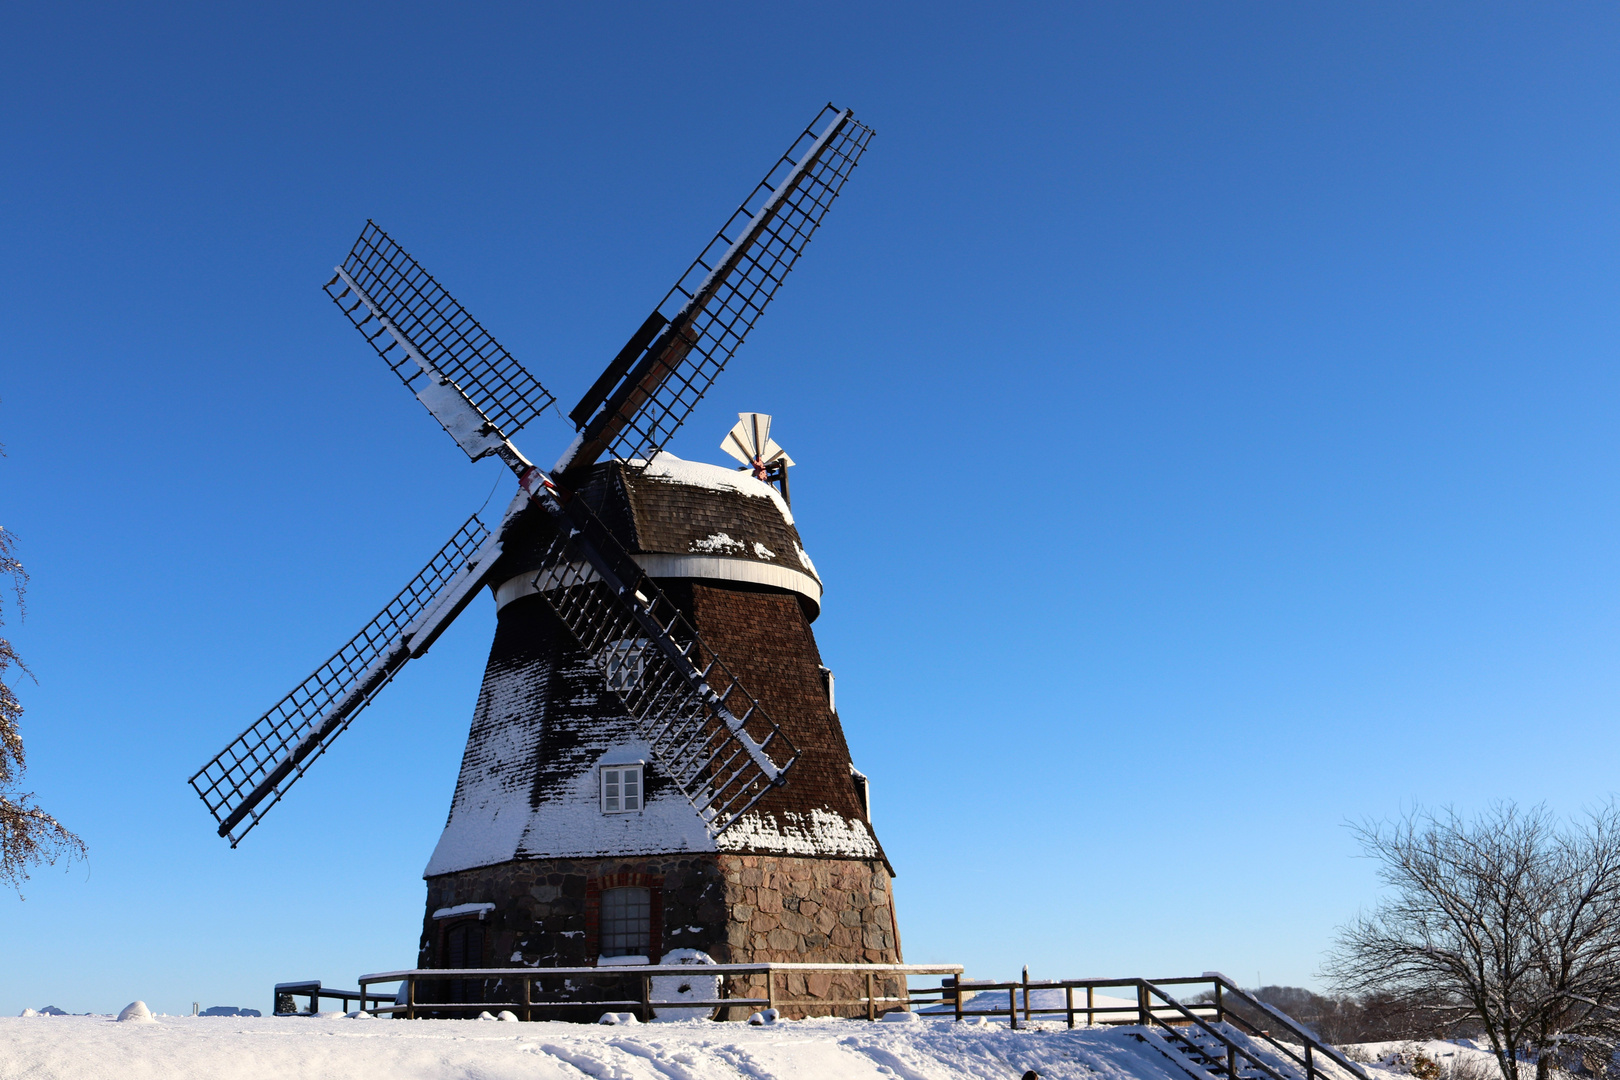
(313, 990)
(886, 988)
(1155, 1008)
(736, 987)
(1312, 1047)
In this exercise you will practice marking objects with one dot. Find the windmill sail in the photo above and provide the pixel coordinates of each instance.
(657, 380)
(251, 775)
(433, 345)
(705, 730)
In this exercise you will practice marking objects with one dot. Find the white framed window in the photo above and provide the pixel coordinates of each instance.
(621, 788)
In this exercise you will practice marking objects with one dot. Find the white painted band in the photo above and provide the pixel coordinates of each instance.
(705, 567)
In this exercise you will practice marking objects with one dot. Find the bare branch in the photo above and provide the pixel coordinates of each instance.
(1511, 921)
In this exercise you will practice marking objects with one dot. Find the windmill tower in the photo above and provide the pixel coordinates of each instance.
(655, 761)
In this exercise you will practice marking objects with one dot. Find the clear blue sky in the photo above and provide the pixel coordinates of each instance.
(1205, 417)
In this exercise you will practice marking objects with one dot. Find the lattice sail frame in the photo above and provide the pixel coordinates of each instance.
(703, 319)
(450, 339)
(249, 776)
(705, 745)
(706, 731)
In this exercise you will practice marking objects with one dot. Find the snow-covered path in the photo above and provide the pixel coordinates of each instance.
(233, 1048)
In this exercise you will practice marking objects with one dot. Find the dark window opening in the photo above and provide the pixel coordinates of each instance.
(626, 924)
(464, 948)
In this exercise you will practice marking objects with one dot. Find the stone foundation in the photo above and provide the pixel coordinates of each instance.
(787, 909)
(736, 908)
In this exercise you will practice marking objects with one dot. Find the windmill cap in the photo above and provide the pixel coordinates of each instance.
(689, 520)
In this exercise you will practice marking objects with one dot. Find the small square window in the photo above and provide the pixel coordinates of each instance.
(621, 789)
(624, 663)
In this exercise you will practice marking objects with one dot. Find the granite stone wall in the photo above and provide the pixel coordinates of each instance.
(786, 909)
(737, 908)
(789, 909)
(543, 916)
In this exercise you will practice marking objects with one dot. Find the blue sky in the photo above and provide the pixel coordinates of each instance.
(1204, 417)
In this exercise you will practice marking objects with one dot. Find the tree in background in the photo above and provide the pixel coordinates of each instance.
(28, 835)
(1337, 1019)
(1508, 924)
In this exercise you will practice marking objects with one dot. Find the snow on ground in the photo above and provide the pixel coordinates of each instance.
(313, 1048)
(1463, 1059)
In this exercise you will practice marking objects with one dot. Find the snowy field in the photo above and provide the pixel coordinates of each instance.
(314, 1048)
(1461, 1060)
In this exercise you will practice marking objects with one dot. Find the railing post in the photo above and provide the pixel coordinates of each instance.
(1310, 1063)
(528, 996)
(1026, 995)
(646, 998)
(362, 995)
(959, 997)
(1091, 1012)
(410, 997)
(770, 988)
(1144, 1011)
(1012, 1007)
(1220, 1003)
(1068, 1004)
(1231, 1063)
(871, 1002)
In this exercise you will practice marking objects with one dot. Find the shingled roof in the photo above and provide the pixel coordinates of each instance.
(690, 520)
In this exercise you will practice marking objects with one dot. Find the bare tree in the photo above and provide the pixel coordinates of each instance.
(1508, 924)
(28, 835)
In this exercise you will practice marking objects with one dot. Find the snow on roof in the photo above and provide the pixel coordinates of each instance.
(819, 832)
(667, 466)
(463, 909)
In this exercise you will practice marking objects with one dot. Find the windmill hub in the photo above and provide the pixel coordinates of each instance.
(655, 764)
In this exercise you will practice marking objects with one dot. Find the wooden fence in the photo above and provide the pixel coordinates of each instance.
(1198, 1021)
(739, 988)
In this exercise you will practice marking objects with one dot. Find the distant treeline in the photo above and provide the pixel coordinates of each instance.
(1342, 1019)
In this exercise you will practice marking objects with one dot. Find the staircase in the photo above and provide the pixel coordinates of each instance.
(1223, 1047)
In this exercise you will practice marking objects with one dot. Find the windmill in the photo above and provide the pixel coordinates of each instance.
(701, 795)
(750, 442)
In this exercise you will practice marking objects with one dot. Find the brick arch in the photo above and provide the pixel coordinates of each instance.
(653, 883)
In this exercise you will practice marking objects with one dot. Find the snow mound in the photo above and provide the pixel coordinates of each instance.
(692, 987)
(136, 1012)
(618, 1018)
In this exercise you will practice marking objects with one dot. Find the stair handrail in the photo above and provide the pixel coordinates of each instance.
(1196, 1019)
(1306, 1038)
